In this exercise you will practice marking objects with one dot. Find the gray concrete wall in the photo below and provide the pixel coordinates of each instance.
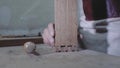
(18, 17)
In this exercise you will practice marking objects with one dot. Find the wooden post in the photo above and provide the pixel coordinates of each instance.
(66, 27)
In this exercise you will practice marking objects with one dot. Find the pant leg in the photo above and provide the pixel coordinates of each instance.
(95, 41)
(113, 38)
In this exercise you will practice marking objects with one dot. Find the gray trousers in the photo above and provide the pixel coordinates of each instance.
(104, 42)
(97, 41)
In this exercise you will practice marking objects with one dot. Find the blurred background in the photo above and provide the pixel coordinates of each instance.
(25, 17)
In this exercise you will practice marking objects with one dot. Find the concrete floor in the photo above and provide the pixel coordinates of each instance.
(15, 57)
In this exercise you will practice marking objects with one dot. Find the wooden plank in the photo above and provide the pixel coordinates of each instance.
(19, 41)
(66, 20)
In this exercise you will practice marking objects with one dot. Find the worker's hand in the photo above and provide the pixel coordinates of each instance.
(48, 34)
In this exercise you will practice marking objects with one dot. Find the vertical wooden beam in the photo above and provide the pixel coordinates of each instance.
(66, 25)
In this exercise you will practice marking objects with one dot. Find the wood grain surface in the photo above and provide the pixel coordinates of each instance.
(66, 20)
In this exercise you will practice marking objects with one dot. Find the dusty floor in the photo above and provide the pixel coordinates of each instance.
(15, 57)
